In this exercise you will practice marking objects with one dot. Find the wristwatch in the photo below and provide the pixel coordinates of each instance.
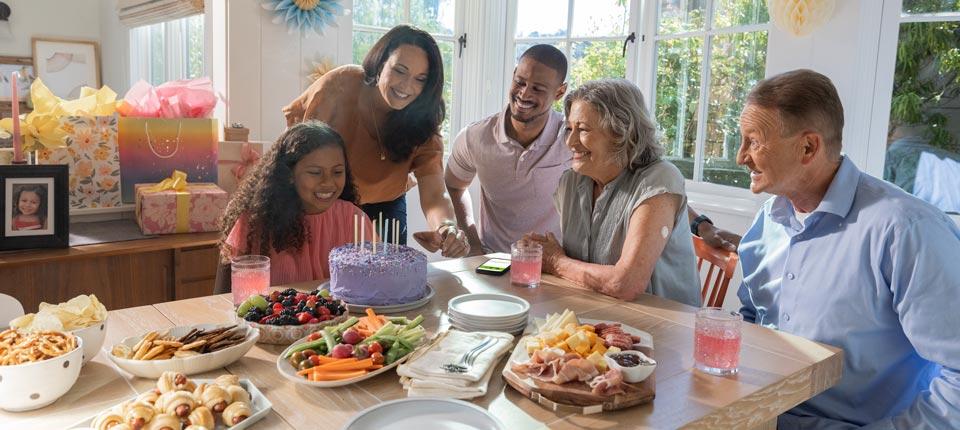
(695, 225)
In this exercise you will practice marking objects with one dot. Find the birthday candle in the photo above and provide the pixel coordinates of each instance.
(363, 227)
(15, 108)
(355, 220)
(386, 235)
(396, 234)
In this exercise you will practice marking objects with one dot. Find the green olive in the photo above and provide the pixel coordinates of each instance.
(297, 357)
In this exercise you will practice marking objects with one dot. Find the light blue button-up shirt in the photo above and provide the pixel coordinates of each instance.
(875, 271)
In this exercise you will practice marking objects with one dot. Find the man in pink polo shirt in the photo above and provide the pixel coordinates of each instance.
(518, 154)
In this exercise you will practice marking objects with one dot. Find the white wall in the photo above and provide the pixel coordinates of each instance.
(75, 19)
(114, 48)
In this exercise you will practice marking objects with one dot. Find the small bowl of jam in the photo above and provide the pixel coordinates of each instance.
(634, 365)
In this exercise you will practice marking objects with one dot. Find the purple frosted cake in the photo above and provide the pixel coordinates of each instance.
(393, 275)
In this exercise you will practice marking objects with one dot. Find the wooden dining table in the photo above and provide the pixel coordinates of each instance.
(777, 370)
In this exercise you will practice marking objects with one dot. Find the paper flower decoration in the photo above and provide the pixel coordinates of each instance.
(304, 14)
(800, 17)
(320, 68)
(41, 128)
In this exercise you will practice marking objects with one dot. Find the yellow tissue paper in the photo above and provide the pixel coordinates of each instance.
(41, 128)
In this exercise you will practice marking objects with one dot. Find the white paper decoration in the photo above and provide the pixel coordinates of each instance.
(800, 17)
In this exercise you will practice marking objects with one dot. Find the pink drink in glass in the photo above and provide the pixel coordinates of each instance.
(716, 344)
(525, 263)
(250, 274)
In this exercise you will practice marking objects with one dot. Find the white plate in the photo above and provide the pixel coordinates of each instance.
(478, 320)
(492, 327)
(259, 405)
(489, 305)
(387, 309)
(414, 412)
(290, 372)
(187, 365)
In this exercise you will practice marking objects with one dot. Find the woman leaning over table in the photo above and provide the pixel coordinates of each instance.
(622, 208)
(389, 113)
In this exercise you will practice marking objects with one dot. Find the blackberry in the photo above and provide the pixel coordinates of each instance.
(289, 292)
(332, 307)
(288, 312)
(252, 316)
(287, 302)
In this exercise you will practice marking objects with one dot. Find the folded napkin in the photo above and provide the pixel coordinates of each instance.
(423, 375)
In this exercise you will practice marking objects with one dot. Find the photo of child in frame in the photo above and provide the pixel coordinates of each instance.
(28, 207)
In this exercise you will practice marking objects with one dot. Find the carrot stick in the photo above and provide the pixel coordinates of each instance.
(334, 376)
(355, 365)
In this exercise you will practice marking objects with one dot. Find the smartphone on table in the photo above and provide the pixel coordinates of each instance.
(494, 266)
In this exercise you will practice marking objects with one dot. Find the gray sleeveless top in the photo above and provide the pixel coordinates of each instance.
(595, 233)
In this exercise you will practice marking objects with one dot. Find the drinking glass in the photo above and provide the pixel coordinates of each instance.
(250, 274)
(525, 263)
(716, 341)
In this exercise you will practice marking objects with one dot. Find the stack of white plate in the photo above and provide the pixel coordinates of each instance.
(488, 312)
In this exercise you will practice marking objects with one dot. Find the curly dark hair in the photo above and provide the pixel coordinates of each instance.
(415, 124)
(269, 198)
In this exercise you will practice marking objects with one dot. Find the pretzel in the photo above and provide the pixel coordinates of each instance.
(17, 347)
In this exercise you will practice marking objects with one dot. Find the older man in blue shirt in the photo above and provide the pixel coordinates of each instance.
(843, 258)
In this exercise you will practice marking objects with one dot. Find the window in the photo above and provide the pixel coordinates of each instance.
(708, 55)
(167, 51)
(590, 33)
(922, 151)
(373, 18)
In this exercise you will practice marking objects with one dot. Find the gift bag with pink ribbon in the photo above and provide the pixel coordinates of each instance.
(237, 161)
(167, 128)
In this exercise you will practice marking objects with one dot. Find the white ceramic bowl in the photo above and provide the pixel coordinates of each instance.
(93, 337)
(633, 374)
(187, 365)
(29, 386)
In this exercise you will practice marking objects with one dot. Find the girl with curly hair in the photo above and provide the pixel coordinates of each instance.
(296, 206)
(389, 112)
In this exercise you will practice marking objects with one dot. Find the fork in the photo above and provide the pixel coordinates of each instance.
(468, 357)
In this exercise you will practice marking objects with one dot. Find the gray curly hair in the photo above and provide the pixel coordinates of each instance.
(623, 114)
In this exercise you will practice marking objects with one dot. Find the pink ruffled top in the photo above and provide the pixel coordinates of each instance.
(327, 230)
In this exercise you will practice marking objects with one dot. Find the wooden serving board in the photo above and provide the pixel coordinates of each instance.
(577, 396)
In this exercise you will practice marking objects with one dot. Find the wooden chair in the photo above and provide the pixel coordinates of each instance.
(723, 264)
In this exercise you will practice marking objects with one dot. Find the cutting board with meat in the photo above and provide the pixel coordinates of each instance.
(563, 366)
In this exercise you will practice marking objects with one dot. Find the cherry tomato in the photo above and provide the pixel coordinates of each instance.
(314, 359)
(377, 358)
(374, 347)
(308, 352)
(314, 336)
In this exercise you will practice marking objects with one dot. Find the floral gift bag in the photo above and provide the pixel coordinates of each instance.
(91, 153)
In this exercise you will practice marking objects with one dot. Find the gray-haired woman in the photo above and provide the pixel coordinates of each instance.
(622, 209)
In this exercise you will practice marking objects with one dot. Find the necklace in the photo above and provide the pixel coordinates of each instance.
(376, 128)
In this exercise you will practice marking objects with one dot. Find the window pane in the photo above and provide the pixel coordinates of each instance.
(737, 64)
(930, 6)
(447, 51)
(592, 18)
(678, 92)
(678, 16)
(734, 13)
(195, 46)
(380, 13)
(362, 42)
(541, 18)
(157, 54)
(923, 155)
(596, 60)
(434, 16)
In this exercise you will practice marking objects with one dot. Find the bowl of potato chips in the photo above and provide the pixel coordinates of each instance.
(84, 316)
(37, 368)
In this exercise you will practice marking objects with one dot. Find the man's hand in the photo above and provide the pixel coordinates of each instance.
(718, 237)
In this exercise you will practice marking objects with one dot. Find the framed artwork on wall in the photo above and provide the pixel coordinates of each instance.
(35, 207)
(65, 66)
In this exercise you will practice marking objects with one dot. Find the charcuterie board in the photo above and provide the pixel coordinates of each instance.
(577, 396)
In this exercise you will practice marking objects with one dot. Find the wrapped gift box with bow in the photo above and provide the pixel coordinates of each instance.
(236, 161)
(174, 206)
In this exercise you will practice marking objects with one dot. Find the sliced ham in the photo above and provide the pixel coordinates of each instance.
(619, 340)
(543, 364)
(608, 384)
(576, 369)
